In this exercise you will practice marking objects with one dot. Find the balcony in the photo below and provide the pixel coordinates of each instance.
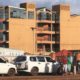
(3, 28)
(45, 40)
(2, 13)
(2, 31)
(45, 30)
(45, 21)
(4, 37)
(1, 20)
(44, 48)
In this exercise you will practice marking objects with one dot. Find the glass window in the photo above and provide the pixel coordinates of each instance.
(1, 36)
(6, 12)
(6, 45)
(57, 16)
(48, 16)
(20, 58)
(2, 61)
(43, 16)
(32, 58)
(49, 59)
(2, 12)
(53, 16)
(41, 59)
(30, 15)
(17, 13)
(2, 26)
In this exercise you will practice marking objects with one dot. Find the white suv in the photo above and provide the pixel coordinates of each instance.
(7, 68)
(35, 64)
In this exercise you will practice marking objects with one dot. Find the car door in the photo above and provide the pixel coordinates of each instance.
(49, 64)
(3, 66)
(41, 64)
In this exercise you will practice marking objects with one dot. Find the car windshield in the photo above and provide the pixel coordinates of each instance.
(2, 61)
(20, 58)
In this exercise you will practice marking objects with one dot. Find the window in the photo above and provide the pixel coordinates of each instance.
(1, 36)
(30, 15)
(49, 59)
(17, 13)
(1, 26)
(6, 12)
(57, 16)
(53, 16)
(48, 16)
(6, 45)
(20, 58)
(41, 59)
(2, 61)
(32, 58)
(2, 12)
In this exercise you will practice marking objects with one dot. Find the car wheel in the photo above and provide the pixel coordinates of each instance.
(11, 72)
(34, 71)
(60, 71)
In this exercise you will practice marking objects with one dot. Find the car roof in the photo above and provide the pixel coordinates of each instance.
(35, 55)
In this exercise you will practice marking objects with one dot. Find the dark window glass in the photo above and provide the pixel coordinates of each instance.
(53, 16)
(20, 58)
(2, 12)
(2, 26)
(57, 16)
(6, 45)
(17, 13)
(49, 59)
(32, 58)
(2, 61)
(1, 36)
(30, 15)
(41, 59)
(6, 12)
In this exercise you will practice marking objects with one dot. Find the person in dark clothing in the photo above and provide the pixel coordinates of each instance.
(64, 61)
(74, 64)
(70, 61)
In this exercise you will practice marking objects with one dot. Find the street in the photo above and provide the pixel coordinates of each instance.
(43, 77)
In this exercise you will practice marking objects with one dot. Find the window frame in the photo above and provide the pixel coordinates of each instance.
(38, 58)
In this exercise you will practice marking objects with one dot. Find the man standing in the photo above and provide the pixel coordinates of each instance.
(74, 64)
(69, 63)
(64, 61)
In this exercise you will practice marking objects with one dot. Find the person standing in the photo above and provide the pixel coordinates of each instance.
(69, 62)
(64, 61)
(74, 64)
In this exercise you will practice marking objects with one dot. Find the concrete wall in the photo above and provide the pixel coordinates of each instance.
(21, 35)
(69, 29)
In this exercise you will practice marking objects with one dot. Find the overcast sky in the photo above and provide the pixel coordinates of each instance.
(74, 4)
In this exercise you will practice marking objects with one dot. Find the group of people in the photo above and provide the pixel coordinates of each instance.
(69, 63)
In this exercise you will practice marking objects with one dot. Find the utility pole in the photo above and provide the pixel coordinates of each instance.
(34, 38)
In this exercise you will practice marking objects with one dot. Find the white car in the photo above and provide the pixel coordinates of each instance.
(7, 68)
(35, 64)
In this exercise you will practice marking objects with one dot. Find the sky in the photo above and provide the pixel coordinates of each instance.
(74, 4)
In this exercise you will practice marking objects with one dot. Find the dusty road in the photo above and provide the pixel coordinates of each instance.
(45, 77)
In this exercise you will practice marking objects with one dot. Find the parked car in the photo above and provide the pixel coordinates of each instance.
(35, 64)
(7, 68)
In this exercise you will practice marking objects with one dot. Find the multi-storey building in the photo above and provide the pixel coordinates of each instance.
(39, 30)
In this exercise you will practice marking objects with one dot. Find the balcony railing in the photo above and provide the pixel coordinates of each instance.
(44, 16)
(41, 49)
(2, 38)
(3, 27)
(44, 28)
(45, 38)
